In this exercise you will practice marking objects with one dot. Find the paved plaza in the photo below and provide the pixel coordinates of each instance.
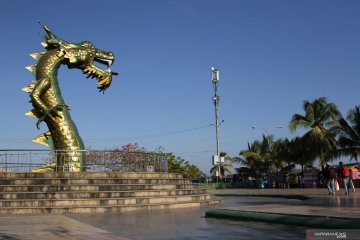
(318, 204)
(187, 223)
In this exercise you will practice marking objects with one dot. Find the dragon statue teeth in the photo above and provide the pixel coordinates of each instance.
(45, 95)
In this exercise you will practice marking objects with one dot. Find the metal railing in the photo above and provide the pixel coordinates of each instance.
(12, 160)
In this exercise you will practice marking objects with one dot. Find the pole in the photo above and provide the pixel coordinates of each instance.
(216, 99)
(216, 103)
(217, 126)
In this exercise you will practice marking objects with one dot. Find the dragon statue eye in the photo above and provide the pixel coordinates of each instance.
(87, 44)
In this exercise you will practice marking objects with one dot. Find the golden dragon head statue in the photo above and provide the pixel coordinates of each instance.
(82, 55)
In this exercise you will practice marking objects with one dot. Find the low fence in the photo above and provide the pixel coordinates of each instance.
(96, 160)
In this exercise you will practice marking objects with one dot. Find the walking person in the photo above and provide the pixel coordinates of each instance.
(351, 184)
(344, 173)
(330, 176)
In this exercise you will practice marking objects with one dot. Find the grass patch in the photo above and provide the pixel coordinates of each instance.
(286, 196)
(287, 219)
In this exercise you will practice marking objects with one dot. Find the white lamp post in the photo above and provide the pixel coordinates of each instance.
(265, 130)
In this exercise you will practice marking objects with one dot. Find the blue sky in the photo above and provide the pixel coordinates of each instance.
(272, 55)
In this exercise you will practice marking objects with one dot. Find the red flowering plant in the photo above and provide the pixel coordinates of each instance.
(128, 157)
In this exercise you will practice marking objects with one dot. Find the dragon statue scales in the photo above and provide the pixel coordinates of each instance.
(49, 106)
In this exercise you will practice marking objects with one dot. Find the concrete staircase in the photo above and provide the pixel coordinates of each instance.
(61, 193)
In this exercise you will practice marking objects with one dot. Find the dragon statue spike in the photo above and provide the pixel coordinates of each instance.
(45, 94)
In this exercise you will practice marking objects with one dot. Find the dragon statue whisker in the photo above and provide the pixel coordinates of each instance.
(45, 94)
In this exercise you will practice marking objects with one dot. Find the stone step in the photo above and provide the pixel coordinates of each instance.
(95, 194)
(99, 187)
(64, 181)
(101, 201)
(62, 193)
(85, 175)
(102, 209)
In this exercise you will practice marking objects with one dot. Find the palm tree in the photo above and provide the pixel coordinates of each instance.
(319, 117)
(284, 150)
(224, 167)
(299, 152)
(259, 156)
(281, 156)
(253, 159)
(348, 133)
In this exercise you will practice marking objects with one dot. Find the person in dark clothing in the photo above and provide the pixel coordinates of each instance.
(330, 176)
